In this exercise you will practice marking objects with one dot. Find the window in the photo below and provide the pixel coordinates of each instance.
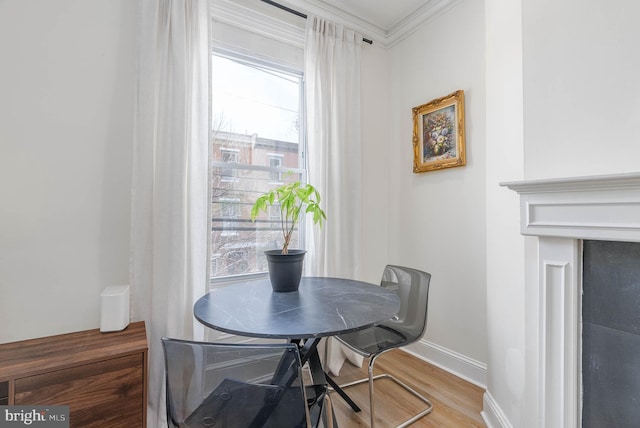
(256, 144)
(275, 162)
(228, 156)
(230, 209)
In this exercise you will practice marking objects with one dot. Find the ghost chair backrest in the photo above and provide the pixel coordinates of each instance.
(233, 385)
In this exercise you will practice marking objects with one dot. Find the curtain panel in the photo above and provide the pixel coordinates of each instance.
(332, 85)
(332, 89)
(169, 230)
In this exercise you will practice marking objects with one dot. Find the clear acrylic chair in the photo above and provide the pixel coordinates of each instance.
(406, 327)
(237, 386)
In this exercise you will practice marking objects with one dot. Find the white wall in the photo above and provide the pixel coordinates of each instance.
(437, 219)
(66, 142)
(582, 97)
(505, 396)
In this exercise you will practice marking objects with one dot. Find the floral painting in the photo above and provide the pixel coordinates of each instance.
(438, 133)
(439, 130)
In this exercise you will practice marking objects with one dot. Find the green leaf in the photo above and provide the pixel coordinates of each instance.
(293, 199)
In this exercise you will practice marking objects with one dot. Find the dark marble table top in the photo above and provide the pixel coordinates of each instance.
(321, 307)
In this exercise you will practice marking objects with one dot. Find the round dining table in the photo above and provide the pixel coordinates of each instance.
(321, 307)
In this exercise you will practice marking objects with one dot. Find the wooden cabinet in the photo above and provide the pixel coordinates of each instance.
(4, 393)
(102, 377)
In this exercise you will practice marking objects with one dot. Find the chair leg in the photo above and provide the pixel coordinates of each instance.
(371, 380)
(372, 408)
(330, 417)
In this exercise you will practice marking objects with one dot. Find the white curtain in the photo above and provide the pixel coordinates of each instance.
(332, 86)
(169, 231)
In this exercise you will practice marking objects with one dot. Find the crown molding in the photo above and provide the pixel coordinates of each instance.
(429, 11)
(264, 23)
(387, 37)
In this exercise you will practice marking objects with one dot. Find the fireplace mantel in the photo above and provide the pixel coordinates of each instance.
(596, 207)
(561, 213)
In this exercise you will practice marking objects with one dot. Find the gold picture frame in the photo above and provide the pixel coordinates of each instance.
(438, 133)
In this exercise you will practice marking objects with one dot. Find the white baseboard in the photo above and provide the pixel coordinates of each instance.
(492, 414)
(457, 364)
(466, 368)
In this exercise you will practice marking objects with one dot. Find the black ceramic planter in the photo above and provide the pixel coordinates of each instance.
(285, 270)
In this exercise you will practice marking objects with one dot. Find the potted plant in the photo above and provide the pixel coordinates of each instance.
(293, 199)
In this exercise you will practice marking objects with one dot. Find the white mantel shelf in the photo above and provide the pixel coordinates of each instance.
(595, 207)
(561, 213)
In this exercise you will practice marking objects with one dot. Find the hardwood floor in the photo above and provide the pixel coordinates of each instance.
(456, 402)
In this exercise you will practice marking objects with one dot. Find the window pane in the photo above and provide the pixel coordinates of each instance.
(255, 147)
(254, 101)
(237, 242)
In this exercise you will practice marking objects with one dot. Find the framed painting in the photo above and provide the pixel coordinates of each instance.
(438, 133)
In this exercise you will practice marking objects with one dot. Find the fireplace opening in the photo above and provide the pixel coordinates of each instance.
(611, 334)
